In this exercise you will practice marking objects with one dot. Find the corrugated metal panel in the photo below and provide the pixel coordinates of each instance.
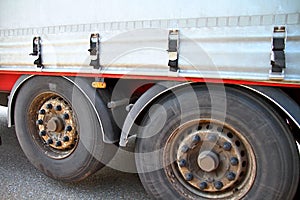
(212, 45)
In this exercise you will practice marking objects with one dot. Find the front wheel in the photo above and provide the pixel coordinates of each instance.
(207, 151)
(58, 129)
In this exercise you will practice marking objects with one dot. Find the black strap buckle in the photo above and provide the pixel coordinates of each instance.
(37, 51)
(173, 46)
(95, 50)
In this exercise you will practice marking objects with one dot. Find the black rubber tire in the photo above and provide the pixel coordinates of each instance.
(90, 150)
(275, 151)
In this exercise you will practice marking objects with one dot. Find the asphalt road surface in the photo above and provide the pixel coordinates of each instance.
(20, 180)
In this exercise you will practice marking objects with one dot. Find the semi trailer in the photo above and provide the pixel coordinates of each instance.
(209, 91)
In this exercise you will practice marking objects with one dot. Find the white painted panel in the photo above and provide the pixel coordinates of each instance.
(231, 40)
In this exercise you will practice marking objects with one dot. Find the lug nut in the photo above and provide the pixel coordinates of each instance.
(234, 161)
(196, 139)
(189, 176)
(58, 143)
(231, 176)
(184, 148)
(66, 116)
(49, 141)
(203, 185)
(39, 122)
(66, 139)
(226, 146)
(58, 108)
(68, 128)
(49, 106)
(42, 133)
(218, 185)
(42, 112)
(212, 138)
(182, 163)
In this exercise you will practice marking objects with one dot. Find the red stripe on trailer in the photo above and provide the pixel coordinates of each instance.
(9, 77)
(7, 81)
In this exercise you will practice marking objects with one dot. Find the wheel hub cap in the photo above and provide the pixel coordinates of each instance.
(208, 161)
(212, 159)
(57, 126)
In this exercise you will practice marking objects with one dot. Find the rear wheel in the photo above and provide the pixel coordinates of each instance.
(58, 129)
(200, 153)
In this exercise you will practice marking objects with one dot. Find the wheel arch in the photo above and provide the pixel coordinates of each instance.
(271, 95)
(151, 95)
(279, 99)
(80, 84)
(12, 98)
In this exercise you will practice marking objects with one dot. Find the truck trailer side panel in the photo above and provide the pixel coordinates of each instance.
(207, 91)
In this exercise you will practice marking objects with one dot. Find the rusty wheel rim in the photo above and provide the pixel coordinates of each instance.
(53, 125)
(210, 159)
